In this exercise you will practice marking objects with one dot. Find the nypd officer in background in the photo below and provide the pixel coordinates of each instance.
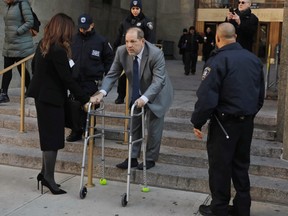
(136, 18)
(230, 95)
(93, 57)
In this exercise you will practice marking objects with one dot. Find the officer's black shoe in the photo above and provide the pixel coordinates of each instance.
(119, 100)
(205, 210)
(149, 164)
(231, 210)
(4, 98)
(74, 136)
(124, 164)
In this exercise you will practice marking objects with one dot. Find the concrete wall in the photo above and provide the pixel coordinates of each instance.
(172, 17)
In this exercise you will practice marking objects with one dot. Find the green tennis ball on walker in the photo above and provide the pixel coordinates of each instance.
(145, 189)
(103, 181)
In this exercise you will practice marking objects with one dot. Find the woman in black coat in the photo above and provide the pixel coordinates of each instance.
(51, 79)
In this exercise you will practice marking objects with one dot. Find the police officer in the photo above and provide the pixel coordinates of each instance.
(190, 50)
(230, 95)
(93, 57)
(136, 18)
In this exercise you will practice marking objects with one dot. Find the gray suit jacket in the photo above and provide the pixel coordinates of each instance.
(154, 81)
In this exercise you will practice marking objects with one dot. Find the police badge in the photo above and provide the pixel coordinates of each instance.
(206, 72)
(150, 25)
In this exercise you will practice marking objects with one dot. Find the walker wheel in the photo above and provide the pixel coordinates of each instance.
(83, 192)
(124, 200)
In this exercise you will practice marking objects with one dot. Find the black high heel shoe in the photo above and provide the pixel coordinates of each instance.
(55, 192)
(40, 177)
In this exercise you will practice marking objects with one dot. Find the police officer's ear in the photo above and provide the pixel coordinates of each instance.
(92, 25)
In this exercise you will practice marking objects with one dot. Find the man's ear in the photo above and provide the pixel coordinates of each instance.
(217, 38)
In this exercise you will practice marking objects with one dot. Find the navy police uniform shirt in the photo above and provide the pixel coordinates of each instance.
(232, 83)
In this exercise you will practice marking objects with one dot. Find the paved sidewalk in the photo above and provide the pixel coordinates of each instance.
(19, 197)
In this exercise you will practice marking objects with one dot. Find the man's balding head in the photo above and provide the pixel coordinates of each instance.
(225, 34)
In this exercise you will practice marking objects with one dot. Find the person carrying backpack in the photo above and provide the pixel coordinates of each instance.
(18, 41)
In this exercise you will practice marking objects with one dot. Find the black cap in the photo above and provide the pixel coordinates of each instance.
(84, 21)
(185, 30)
(136, 3)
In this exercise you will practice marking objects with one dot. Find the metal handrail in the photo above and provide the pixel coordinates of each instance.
(22, 94)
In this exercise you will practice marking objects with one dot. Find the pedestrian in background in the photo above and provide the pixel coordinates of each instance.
(230, 95)
(144, 66)
(245, 23)
(208, 43)
(191, 40)
(136, 18)
(93, 57)
(182, 44)
(51, 78)
(18, 42)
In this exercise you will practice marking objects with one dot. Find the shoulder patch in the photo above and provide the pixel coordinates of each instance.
(206, 72)
(150, 25)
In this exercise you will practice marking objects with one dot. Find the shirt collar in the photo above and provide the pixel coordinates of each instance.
(140, 54)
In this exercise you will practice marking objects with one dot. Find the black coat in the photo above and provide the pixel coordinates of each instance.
(141, 21)
(93, 56)
(247, 28)
(232, 83)
(191, 42)
(52, 77)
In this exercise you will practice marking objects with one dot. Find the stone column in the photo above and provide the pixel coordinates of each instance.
(282, 114)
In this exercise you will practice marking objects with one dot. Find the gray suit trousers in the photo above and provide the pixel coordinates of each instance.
(154, 135)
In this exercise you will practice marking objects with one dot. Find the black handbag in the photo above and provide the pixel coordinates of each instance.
(73, 110)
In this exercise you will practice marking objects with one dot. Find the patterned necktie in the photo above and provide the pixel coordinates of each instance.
(135, 89)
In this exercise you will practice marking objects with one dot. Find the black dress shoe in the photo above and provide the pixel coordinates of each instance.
(119, 100)
(4, 98)
(149, 164)
(124, 164)
(205, 210)
(231, 210)
(74, 136)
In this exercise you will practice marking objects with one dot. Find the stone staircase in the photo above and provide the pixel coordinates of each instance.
(182, 163)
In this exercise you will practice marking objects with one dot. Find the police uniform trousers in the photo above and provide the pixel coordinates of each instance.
(121, 88)
(154, 127)
(230, 159)
(190, 61)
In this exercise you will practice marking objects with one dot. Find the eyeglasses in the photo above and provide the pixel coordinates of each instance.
(241, 2)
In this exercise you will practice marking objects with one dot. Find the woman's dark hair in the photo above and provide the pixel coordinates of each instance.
(58, 31)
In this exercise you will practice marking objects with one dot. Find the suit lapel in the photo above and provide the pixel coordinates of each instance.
(144, 59)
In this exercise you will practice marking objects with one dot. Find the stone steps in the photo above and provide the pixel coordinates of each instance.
(265, 161)
(182, 161)
(269, 189)
(264, 125)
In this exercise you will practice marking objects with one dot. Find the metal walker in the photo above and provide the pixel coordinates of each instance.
(89, 134)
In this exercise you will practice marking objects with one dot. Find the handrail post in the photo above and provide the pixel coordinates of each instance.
(22, 98)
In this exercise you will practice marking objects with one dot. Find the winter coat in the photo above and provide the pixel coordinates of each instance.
(18, 41)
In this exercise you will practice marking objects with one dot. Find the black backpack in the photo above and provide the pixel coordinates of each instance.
(35, 28)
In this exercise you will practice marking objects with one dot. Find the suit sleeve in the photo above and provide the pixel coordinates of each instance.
(158, 73)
